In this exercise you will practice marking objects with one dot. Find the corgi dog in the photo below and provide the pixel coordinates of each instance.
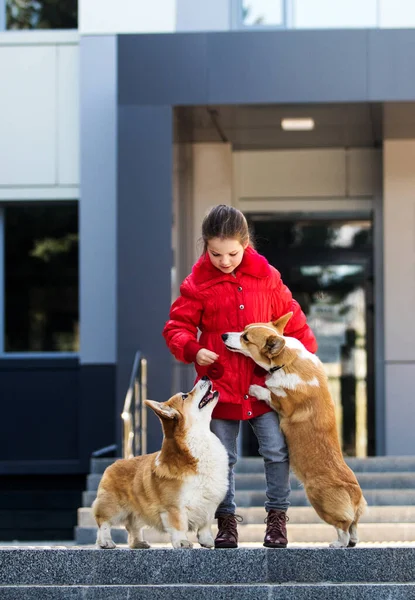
(297, 389)
(175, 490)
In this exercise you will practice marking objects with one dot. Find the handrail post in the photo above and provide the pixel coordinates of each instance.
(134, 413)
(143, 397)
(137, 413)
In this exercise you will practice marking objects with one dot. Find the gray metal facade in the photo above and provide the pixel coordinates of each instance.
(266, 67)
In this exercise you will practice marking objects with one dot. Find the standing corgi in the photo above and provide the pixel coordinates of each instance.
(297, 389)
(175, 490)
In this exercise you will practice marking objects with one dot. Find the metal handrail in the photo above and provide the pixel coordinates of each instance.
(134, 414)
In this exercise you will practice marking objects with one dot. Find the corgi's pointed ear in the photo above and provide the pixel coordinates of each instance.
(282, 322)
(274, 345)
(162, 409)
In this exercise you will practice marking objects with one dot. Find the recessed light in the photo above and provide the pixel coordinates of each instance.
(297, 124)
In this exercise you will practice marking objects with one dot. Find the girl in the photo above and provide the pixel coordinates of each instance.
(230, 286)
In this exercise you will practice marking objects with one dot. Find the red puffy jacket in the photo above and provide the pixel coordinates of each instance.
(216, 303)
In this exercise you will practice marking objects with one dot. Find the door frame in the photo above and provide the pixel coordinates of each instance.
(345, 208)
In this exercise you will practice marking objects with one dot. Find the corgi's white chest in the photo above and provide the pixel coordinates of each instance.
(281, 381)
(202, 493)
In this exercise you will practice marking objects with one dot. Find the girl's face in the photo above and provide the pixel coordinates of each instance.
(225, 254)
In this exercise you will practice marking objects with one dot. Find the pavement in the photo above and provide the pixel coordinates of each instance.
(33, 545)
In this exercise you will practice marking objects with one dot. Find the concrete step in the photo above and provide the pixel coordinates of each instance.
(297, 515)
(371, 464)
(297, 533)
(256, 464)
(256, 481)
(362, 591)
(98, 465)
(166, 567)
(298, 498)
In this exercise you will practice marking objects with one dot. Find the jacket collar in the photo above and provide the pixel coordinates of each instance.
(204, 273)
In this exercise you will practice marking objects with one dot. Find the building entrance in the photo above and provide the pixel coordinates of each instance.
(327, 264)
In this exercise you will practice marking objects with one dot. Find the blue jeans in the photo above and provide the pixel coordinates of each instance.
(272, 448)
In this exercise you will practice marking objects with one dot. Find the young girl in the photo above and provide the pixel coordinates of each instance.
(230, 286)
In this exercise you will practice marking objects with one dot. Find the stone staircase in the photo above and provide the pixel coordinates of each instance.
(388, 484)
(200, 574)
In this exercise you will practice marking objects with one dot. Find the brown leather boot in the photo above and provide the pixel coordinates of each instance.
(276, 533)
(227, 531)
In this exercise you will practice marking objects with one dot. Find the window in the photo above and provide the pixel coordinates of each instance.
(260, 13)
(40, 278)
(41, 14)
(312, 234)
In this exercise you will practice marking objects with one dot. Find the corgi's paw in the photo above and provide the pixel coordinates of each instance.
(183, 544)
(343, 538)
(207, 542)
(204, 535)
(337, 544)
(106, 545)
(259, 392)
(137, 545)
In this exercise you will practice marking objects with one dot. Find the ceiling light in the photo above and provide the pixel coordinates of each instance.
(297, 124)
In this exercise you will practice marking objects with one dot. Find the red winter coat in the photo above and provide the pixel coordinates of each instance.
(216, 303)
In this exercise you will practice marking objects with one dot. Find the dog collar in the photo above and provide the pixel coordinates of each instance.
(276, 369)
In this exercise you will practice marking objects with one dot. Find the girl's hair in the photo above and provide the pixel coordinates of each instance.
(225, 222)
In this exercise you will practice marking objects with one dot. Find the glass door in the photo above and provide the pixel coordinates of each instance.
(327, 264)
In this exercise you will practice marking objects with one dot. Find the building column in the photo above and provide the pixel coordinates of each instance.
(98, 243)
(144, 259)
(399, 285)
(2, 15)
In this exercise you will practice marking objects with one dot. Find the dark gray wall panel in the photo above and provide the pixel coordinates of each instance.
(96, 412)
(391, 64)
(39, 424)
(287, 66)
(145, 147)
(162, 69)
(55, 413)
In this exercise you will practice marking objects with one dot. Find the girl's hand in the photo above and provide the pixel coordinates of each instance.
(206, 357)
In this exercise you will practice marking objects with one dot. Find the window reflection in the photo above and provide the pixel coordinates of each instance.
(316, 234)
(41, 278)
(338, 319)
(41, 14)
(329, 275)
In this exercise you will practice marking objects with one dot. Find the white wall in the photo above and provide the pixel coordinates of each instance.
(39, 115)
(202, 177)
(161, 16)
(352, 13)
(192, 15)
(157, 16)
(399, 249)
(317, 173)
(342, 13)
(320, 14)
(126, 16)
(212, 183)
(397, 13)
(399, 283)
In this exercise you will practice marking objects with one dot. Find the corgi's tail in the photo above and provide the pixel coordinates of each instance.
(361, 509)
